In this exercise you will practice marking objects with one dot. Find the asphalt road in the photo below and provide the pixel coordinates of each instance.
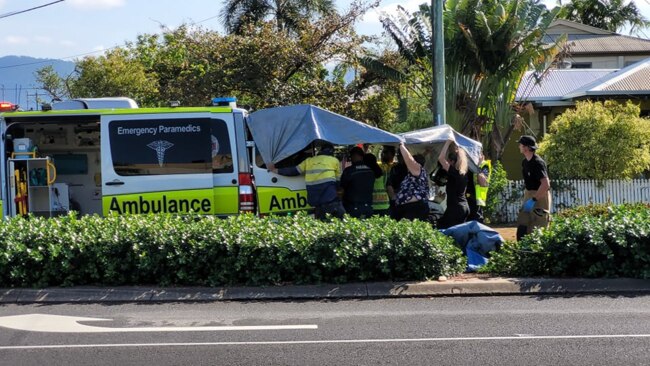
(588, 330)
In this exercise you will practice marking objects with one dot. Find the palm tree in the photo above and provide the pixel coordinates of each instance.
(612, 15)
(287, 14)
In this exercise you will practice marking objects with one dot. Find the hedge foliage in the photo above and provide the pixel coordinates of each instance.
(591, 241)
(208, 251)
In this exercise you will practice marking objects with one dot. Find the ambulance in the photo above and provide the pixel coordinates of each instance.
(106, 155)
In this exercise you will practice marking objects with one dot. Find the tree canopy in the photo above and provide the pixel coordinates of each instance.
(598, 140)
(611, 15)
(286, 14)
(259, 66)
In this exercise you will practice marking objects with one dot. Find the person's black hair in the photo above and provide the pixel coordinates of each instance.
(420, 159)
(371, 161)
(357, 151)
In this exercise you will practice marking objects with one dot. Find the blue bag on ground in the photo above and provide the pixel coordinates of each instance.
(476, 240)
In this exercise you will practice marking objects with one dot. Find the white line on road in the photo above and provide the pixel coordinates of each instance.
(330, 341)
(70, 324)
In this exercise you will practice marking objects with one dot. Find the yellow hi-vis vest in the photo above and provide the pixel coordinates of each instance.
(320, 169)
(380, 200)
(481, 192)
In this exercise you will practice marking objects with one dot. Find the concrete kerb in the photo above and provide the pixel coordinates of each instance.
(452, 287)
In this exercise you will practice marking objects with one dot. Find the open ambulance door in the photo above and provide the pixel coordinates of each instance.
(168, 163)
(277, 194)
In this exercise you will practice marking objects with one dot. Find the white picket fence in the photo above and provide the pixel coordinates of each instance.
(572, 193)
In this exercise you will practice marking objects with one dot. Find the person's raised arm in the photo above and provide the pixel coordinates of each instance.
(412, 165)
(442, 158)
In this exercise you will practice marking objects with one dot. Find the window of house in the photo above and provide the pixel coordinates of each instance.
(581, 65)
(170, 146)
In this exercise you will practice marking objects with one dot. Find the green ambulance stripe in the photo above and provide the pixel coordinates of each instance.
(211, 201)
(277, 200)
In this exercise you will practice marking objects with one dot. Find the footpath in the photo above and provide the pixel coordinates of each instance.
(464, 285)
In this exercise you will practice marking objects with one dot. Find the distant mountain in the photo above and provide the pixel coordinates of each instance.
(17, 78)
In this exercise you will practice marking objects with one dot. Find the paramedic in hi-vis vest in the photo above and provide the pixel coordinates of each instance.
(535, 211)
(477, 192)
(322, 173)
(380, 196)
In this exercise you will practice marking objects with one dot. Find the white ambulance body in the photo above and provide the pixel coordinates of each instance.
(103, 155)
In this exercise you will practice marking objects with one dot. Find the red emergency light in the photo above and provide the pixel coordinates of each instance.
(6, 107)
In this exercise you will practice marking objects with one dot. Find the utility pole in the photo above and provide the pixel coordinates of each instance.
(438, 62)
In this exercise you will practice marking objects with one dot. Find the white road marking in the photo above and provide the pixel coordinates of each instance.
(330, 341)
(69, 324)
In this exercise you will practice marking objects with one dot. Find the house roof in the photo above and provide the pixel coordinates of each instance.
(556, 83)
(563, 86)
(581, 44)
(631, 80)
(557, 26)
(584, 39)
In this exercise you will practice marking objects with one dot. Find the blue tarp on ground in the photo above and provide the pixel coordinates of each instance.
(283, 131)
(476, 240)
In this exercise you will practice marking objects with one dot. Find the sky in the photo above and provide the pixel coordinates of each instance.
(74, 28)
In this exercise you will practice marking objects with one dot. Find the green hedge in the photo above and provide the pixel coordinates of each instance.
(207, 251)
(592, 241)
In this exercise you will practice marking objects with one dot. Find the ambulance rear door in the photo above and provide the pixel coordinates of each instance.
(278, 194)
(169, 163)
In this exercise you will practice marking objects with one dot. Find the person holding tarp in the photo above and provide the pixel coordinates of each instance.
(454, 161)
(321, 177)
(413, 196)
(535, 212)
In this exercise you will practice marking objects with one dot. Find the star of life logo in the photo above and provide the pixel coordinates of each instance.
(160, 146)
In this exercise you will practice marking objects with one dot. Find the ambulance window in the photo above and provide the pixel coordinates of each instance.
(161, 147)
(221, 150)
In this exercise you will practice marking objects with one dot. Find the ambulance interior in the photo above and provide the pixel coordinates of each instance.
(54, 167)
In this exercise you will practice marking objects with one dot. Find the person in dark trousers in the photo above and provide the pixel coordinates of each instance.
(535, 211)
(454, 161)
(321, 177)
(412, 201)
(357, 182)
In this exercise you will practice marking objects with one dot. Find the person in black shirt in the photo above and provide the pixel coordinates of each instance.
(358, 181)
(455, 163)
(535, 212)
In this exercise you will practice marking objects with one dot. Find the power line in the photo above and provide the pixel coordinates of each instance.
(30, 9)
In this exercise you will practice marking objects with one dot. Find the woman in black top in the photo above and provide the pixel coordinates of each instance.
(454, 161)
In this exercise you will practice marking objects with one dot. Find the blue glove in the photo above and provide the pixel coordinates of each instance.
(528, 205)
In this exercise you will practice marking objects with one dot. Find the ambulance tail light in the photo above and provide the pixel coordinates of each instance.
(246, 193)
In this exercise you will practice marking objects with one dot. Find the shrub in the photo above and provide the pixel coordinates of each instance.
(207, 251)
(592, 242)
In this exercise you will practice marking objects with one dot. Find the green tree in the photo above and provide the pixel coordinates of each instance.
(115, 74)
(56, 86)
(286, 14)
(598, 141)
(260, 66)
(611, 15)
